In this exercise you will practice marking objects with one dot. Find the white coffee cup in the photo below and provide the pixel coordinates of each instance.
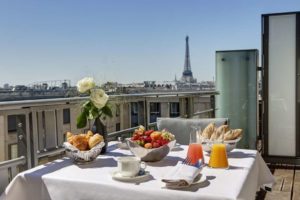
(130, 166)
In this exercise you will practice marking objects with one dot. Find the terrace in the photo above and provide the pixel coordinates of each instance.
(32, 132)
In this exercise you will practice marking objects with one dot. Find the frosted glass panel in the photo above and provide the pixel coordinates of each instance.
(237, 84)
(282, 77)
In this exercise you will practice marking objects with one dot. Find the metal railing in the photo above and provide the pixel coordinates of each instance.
(12, 163)
(35, 110)
(9, 169)
(9, 105)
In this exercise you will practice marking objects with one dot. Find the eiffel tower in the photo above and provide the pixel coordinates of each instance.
(187, 75)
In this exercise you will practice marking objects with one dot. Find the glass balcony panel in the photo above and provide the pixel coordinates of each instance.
(282, 79)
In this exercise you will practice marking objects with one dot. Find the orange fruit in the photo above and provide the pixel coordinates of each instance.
(156, 135)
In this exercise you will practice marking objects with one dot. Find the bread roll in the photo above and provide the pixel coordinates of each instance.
(69, 137)
(221, 131)
(208, 131)
(80, 142)
(229, 135)
(69, 134)
(88, 135)
(237, 133)
(94, 140)
(214, 136)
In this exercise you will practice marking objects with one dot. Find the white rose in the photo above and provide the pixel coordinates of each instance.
(99, 98)
(85, 84)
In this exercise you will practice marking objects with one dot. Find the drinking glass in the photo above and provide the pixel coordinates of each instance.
(195, 151)
(195, 134)
(218, 156)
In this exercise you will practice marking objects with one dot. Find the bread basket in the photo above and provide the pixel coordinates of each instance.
(83, 156)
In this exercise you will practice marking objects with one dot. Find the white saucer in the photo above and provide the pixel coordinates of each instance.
(118, 176)
(176, 146)
(123, 146)
(199, 179)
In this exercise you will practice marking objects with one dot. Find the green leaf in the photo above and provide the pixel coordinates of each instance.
(107, 111)
(82, 120)
(87, 105)
(94, 113)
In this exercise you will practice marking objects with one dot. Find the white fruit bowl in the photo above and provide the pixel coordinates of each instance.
(150, 155)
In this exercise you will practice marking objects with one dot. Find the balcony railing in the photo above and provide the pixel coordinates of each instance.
(41, 124)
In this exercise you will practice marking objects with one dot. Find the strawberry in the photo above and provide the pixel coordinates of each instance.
(148, 139)
(163, 142)
(135, 137)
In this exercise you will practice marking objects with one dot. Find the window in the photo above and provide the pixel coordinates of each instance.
(117, 110)
(174, 109)
(134, 114)
(118, 126)
(11, 123)
(13, 151)
(15, 123)
(154, 111)
(66, 116)
(134, 108)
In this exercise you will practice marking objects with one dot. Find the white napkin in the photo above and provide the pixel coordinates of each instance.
(181, 175)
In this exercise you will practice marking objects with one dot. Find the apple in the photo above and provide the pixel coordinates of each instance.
(155, 145)
(148, 146)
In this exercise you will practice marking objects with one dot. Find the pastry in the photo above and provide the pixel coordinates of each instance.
(69, 134)
(80, 142)
(94, 140)
(229, 135)
(237, 133)
(69, 137)
(208, 131)
(221, 131)
(89, 134)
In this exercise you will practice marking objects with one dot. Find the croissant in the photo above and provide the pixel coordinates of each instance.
(209, 130)
(69, 137)
(233, 134)
(237, 133)
(219, 133)
(69, 134)
(88, 135)
(94, 140)
(80, 142)
(228, 135)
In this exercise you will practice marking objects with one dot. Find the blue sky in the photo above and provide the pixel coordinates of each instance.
(124, 40)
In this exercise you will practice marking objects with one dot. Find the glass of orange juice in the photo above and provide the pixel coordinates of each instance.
(218, 156)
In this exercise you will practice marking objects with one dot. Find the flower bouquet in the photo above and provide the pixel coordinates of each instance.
(96, 107)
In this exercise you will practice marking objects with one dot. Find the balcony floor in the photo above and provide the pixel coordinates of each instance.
(287, 186)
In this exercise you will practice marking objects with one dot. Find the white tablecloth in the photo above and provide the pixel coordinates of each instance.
(63, 180)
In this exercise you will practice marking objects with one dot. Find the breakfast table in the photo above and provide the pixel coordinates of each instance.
(62, 179)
